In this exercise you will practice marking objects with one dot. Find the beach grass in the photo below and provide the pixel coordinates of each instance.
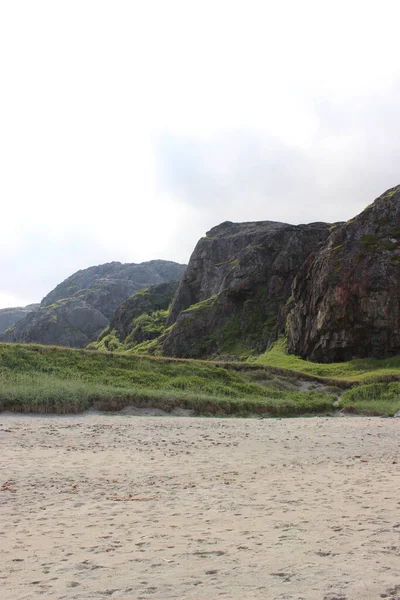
(374, 399)
(357, 371)
(52, 379)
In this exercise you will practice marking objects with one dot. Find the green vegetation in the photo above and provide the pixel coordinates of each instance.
(144, 329)
(391, 192)
(147, 327)
(395, 232)
(241, 335)
(141, 319)
(375, 384)
(373, 399)
(233, 263)
(373, 243)
(51, 379)
(208, 303)
(60, 380)
(356, 371)
(152, 347)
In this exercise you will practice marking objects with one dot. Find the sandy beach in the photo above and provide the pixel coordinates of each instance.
(96, 506)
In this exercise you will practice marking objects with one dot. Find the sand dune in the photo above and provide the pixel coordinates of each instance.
(96, 506)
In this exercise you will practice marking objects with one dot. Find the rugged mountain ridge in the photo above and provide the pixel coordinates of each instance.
(79, 308)
(334, 289)
(10, 316)
(232, 298)
(347, 295)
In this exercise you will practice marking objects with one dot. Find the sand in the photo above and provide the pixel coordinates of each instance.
(96, 506)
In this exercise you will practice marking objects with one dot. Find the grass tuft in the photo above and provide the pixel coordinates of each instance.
(375, 399)
(356, 371)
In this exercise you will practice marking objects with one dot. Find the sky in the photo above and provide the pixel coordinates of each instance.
(130, 128)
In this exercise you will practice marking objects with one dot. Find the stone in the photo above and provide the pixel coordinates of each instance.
(347, 294)
(233, 296)
(10, 316)
(79, 308)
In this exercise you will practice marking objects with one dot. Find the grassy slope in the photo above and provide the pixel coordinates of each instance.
(372, 399)
(364, 370)
(37, 378)
(51, 379)
(375, 383)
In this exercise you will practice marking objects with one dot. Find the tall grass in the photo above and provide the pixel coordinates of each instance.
(51, 379)
(355, 371)
(60, 380)
(379, 399)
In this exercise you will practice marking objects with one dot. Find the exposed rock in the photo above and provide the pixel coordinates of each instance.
(347, 295)
(69, 322)
(232, 298)
(139, 319)
(79, 308)
(105, 286)
(10, 316)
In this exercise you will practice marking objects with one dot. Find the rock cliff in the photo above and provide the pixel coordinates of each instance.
(232, 299)
(347, 295)
(10, 316)
(79, 308)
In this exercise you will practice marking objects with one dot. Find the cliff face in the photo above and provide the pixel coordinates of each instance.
(79, 308)
(232, 298)
(347, 296)
(10, 316)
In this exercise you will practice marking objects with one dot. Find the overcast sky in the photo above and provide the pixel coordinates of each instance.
(127, 129)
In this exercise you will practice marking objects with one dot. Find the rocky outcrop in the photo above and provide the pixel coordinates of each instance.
(105, 286)
(68, 322)
(232, 299)
(79, 308)
(10, 316)
(141, 318)
(347, 295)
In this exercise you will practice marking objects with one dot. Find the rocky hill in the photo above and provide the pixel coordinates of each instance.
(347, 295)
(139, 320)
(79, 308)
(334, 289)
(232, 299)
(10, 316)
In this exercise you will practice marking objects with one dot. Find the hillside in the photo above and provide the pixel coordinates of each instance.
(79, 308)
(139, 320)
(36, 378)
(10, 316)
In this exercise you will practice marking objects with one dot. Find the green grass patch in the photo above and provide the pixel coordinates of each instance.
(375, 399)
(63, 380)
(355, 371)
(209, 302)
(50, 379)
